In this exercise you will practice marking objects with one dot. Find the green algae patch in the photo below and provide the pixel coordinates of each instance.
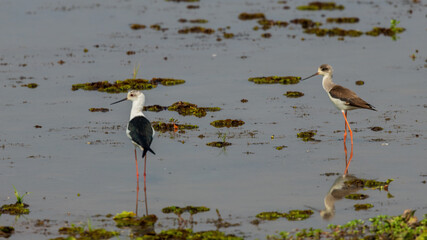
(186, 108)
(315, 6)
(357, 196)
(305, 23)
(180, 210)
(126, 85)
(267, 24)
(269, 215)
(280, 147)
(359, 82)
(343, 20)
(251, 16)
(227, 123)
(80, 233)
(266, 35)
(15, 209)
(129, 219)
(218, 144)
(6, 231)
(275, 80)
(228, 35)
(307, 136)
(136, 26)
(196, 29)
(171, 127)
(369, 183)
(292, 94)
(154, 108)
(99, 110)
(30, 85)
(321, 32)
(184, 234)
(390, 32)
(298, 215)
(365, 206)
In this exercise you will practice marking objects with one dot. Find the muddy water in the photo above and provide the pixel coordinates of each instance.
(80, 164)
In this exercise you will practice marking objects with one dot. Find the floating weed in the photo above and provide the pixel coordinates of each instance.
(129, 219)
(390, 32)
(269, 215)
(266, 35)
(376, 129)
(280, 147)
(170, 127)
(98, 110)
(218, 144)
(292, 94)
(251, 16)
(360, 82)
(186, 108)
(364, 206)
(305, 23)
(196, 29)
(369, 183)
(6, 231)
(15, 209)
(343, 20)
(227, 123)
(183, 234)
(275, 79)
(307, 136)
(30, 85)
(357, 196)
(314, 6)
(180, 210)
(321, 32)
(136, 26)
(292, 215)
(78, 232)
(267, 24)
(228, 35)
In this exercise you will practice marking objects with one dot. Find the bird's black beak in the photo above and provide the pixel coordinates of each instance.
(310, 76)
(119, 101)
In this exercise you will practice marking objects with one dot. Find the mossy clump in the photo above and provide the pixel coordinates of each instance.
(15, 209)
(266, 35)
(267, 24)
(129, 219)
(314, 6)
(369, 183)
(321, 32)
(275, 79)
(376, 31)
(280, 147)
(357, 196)
(196, 29)
(218, 144)
(156, 27)
(251, 16)
(170, 127)
(136, 26)
(298, 215)
(359, 82)
(200, 21)
(228, 35)
(154, 108)
(227, 123)
(180, 210)
(376, 129)
(269, 215)
(80, 233)
(186, 108)
(126, 85)
(6, 231)
(184, 234)
(307, 136)
(293, 94)
(305, 23)
(32, 85)
(99, 109)
(364, 206)
(343, 20)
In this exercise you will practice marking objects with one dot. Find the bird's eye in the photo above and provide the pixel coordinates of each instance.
(324, 69)
(131, 95)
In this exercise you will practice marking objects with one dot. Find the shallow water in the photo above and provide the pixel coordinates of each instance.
(71, 180)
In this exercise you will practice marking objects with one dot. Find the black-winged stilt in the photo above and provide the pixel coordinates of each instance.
(139, 130)
(343, 98)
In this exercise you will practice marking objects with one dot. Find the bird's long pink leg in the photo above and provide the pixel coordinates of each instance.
(345, 127)
(145, 186)
(351, 136)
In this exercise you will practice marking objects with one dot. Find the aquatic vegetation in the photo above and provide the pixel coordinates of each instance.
(129, 219)
(19, 197)
(184, 234)
(80, 233)
(269, 215)
(196, 29)
(154, 108)
(228, 35)
(6, 231)
(136, 26)
(292, 94)
(171, 127)
(30, 85)
(357, 196)
(364, 206)
(360, 82)
(292, 215)
(218, 144)
(251, 16)
(186, 108)
(15, 209)
(99, 109)
(314, 6)
(307, 136)
(376, 129)
(267, 24)
(321, 32)
(275, 79)
(343, 20)
(376, 31)
(266, 35)
(126, 85)
(156, 27)
(180, 210)
(369, 183)
(227, 123)
(200, 21)
(182, 0)
(305, 23)
(280, 147)
(405, 226)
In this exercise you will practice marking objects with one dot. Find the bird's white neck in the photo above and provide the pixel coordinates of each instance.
(327, 82)
(137, 107)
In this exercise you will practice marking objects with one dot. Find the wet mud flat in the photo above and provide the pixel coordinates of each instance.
(277, 142)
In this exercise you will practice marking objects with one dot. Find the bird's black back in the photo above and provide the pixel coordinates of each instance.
(141, 132)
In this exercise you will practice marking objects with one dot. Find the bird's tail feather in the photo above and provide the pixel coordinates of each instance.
(144, 152)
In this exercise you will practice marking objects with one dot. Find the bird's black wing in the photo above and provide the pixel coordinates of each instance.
(141, 132)
(349, 97)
